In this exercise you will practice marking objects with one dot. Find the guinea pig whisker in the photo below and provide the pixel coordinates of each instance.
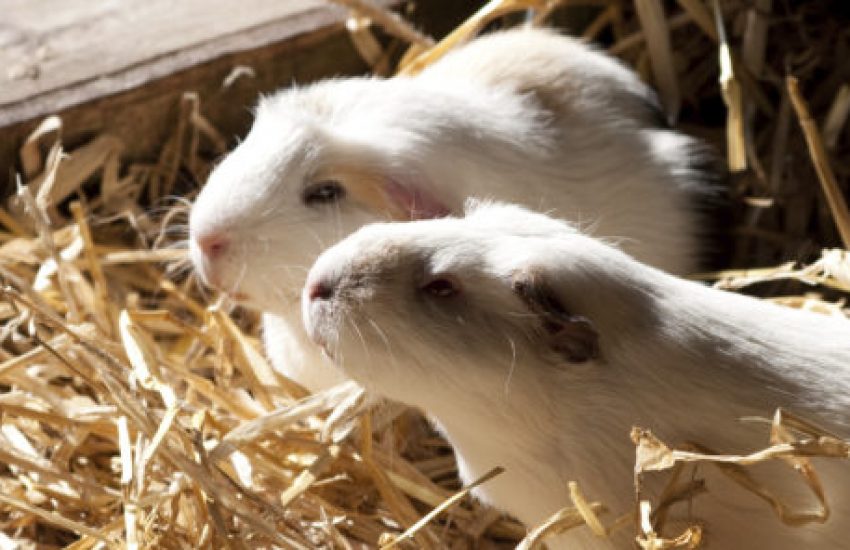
(290, 274)
(203, 289)
(551, 212)
(338, 221)
(284, 294)
(238, 281)
(179, 268)
(317, 238)
(268, 213)
(588, 227)
(290, 267)
(615, 241)
(160, 243)
(179, 199)
(512, 366)
(180, 244)
(167, 210)
(168, 228)
(383, 336)
(336, 347)
(353, 325)
(175, 229)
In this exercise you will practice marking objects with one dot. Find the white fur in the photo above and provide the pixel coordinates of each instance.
(675, 356)
(525, 116)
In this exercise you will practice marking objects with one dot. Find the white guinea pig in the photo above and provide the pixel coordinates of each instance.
(537, 348)
(523, 116)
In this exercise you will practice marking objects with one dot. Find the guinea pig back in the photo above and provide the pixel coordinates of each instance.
(536, 347)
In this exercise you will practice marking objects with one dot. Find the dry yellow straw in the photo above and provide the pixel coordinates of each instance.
(820, 159)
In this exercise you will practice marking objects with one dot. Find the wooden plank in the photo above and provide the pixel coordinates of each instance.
(58, 53)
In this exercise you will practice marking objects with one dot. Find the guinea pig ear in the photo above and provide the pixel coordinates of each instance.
(383, 193)
(571, 336)
(413, 202)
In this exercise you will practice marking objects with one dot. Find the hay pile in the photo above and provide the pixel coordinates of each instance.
(135, 414)
(138, 411)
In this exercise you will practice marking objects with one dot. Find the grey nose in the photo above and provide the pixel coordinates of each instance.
(320, 290)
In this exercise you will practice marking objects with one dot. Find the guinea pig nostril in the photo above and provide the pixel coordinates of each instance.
(319, 291)
(213, 245)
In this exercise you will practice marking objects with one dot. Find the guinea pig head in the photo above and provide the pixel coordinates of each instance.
(300, 181)
(416, 309)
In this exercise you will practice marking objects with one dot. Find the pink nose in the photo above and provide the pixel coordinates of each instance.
(319, 291)
(212, 245)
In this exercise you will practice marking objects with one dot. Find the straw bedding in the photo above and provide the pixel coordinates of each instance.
(137, 409)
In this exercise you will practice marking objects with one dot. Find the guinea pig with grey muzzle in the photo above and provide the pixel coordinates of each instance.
(576, 127)
(536, 347)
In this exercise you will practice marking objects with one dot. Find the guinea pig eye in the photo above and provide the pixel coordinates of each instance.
(323, 192)
(441, 287)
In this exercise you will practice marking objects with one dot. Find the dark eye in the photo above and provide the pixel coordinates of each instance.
(441, 287)
(324, 192)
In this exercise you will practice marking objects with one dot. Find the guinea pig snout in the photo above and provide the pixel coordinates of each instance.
(318, 309)
(321, 289)
(208, 251)
(212, 245)
(318, 290)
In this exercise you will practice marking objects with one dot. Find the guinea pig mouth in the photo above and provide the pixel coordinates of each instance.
(319, 320)
(205, 276)
(318, 338)
(212, 280)
(233, 294)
